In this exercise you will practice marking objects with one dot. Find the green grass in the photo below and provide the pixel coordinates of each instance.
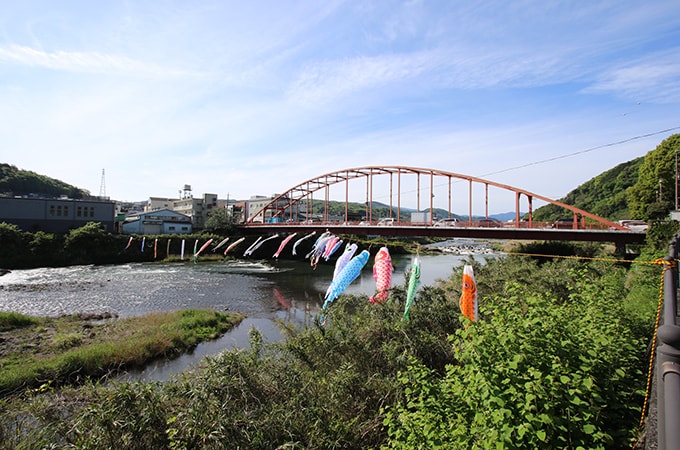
(78, 348)
(10, 321)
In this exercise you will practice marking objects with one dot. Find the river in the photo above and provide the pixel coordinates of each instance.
(264, 291)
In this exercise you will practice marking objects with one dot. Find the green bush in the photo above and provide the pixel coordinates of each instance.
(535, 372)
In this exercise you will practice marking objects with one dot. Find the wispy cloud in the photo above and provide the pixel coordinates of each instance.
(654, 78)
(327, 80)
(86, 62)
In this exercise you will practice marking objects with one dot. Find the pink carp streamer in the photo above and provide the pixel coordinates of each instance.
(283, 245)
(382, 274)
(331, 246)
(203, 247)
(233, 245)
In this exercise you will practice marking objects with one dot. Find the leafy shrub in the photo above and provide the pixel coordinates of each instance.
(534, 373)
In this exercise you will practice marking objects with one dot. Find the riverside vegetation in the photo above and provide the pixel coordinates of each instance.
(41, 352)
(558, 359)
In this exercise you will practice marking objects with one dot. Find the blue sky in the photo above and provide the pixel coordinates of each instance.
(241, 98)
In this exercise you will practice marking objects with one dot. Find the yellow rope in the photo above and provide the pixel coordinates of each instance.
(667, 265)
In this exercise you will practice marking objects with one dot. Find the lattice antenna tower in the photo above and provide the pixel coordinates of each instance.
(102, 186)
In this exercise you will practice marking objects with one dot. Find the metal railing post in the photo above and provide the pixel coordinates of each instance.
(668, 359)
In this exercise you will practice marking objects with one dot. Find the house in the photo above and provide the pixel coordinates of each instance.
(56, 215)
(163, 221)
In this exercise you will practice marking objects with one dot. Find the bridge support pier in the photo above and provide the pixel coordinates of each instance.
(619, 248)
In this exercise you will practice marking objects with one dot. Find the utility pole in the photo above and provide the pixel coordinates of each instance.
(676, 180)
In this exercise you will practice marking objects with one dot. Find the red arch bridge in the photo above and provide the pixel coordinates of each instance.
(384, 192)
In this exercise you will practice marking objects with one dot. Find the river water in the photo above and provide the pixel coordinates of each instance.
(263, 290)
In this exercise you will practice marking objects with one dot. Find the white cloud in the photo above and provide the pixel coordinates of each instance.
(86, 62)
(654, 78)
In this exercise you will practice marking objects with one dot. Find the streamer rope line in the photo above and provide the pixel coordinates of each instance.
(588, 258)
(417, 246)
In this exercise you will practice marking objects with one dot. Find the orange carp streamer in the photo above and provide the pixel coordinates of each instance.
(468, 299)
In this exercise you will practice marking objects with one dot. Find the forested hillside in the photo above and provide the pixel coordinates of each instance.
(14, 181)
(605, 195)
(643, 188)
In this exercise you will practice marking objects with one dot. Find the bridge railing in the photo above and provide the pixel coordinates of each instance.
(461, 224)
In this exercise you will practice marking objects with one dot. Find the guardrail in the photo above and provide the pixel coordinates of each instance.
(668, 357)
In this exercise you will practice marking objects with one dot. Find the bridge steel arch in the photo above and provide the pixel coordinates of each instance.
(301, 196)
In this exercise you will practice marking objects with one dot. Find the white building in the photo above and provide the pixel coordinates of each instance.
(257, 202)
(197, 209)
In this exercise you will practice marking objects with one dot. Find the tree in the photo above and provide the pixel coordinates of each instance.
(656, 182)
(221, 220)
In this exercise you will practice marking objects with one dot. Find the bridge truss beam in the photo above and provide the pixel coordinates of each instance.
(300, 198)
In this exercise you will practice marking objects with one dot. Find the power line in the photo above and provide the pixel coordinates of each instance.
(568, 155)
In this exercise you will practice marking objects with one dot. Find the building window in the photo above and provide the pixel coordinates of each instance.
(52, 210)
(185, 228)
(65, 210)
(92, 211)
(171, 228)
(59, 211)
(79, 211)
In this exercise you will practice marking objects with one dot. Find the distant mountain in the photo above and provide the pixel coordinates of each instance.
(18, 182)
(504, 217)
(604, 195)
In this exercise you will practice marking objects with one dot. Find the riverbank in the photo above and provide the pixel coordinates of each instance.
(40, 352)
